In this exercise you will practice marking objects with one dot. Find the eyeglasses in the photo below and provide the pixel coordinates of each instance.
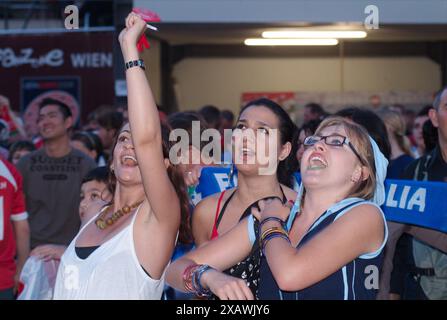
(332, 140)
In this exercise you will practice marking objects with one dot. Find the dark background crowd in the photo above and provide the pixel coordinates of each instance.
(55, 162)
(52, 171)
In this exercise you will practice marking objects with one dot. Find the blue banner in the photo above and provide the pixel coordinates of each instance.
(213, 180)
(420, 203)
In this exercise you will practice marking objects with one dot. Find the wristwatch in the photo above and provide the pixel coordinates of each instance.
(135, 63)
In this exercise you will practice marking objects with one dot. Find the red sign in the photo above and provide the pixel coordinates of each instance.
(87, 57)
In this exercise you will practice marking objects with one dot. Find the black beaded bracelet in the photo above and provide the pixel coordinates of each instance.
(135, 63)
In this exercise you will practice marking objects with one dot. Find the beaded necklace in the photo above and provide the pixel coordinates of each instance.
(103, 223)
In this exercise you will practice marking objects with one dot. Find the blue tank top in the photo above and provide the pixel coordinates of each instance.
(352, 282)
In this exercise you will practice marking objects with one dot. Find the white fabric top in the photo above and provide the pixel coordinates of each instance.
(111, 272)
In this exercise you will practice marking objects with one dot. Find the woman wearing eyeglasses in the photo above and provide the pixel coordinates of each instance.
(327, 246)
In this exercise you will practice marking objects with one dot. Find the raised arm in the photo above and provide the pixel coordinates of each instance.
(146, 132)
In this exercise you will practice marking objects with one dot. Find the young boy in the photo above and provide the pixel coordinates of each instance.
(94, 195)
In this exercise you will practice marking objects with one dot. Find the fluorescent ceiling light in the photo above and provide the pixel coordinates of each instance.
(314, 34)
(290, 42)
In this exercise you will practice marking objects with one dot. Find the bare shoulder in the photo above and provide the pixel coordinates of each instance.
(366, 210)
(210, 203)
(365, 214)
(363, 224)
(204, 215)
(207, 203)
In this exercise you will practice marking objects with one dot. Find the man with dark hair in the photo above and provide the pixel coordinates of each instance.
(211, 115)
(433, 167)
(109, 124)
(52, 177)
(429, 246)
(63, 108)
(314, 111)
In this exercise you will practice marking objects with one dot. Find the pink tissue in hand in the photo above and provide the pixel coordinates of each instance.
(148, 16)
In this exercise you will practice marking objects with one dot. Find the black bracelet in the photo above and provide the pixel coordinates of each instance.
(270, 237)
(271, 219)
(135, 63)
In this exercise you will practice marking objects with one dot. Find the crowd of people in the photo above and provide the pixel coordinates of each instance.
(107, 203)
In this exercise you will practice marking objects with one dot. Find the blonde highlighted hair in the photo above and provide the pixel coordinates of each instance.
(396, 126)
(360, 140)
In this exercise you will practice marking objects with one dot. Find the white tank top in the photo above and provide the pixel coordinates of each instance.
(110, 272)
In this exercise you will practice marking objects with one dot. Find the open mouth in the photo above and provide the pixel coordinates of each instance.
(129, 160)
(317, 163)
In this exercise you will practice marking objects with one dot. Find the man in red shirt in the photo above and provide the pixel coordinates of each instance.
(14, 229)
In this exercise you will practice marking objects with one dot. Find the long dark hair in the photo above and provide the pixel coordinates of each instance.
(287, 129)
(176, 178)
